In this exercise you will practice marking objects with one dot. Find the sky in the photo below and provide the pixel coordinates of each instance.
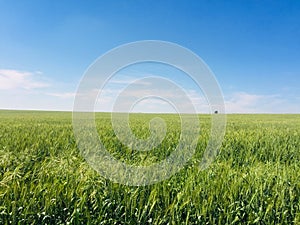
(252, 47)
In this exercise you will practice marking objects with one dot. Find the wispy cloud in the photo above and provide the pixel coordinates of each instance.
(126, 80)
(242, 102)
(15, 79)
(29, 90)
(63, 94)
(237, 102)
(154, 99)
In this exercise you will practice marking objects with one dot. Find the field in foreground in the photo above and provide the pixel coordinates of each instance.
(254, 180)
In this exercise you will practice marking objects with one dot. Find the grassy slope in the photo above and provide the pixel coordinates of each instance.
(43, 179)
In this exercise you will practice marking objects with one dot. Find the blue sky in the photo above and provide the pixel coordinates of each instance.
(253, 48)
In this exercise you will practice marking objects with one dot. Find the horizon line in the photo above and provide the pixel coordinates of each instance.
(203, 113)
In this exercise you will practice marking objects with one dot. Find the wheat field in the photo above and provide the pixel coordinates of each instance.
(253, 180)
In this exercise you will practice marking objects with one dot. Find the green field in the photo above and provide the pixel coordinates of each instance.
(254, 179)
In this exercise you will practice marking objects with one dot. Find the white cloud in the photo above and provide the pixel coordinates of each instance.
(27, 90)
(14, 79)
(127, 81)
(241, 102)
(147, 101)
(63, 94)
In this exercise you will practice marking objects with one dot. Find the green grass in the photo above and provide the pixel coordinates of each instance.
(254, 180)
